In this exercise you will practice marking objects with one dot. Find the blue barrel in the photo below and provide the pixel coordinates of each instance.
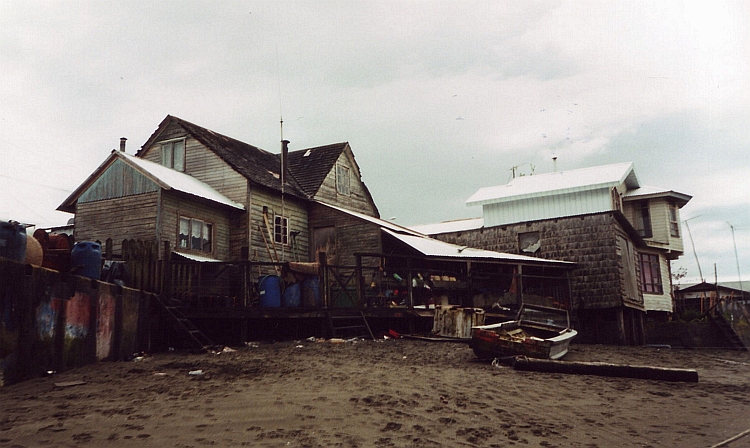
(269, 289)
(12, 241)
(86, 258)
(311, 292)
(291, 296)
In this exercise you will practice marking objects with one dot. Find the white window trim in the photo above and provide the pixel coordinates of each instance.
(284, 237)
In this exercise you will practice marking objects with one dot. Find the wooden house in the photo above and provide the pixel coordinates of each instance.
(211, 197)
(621, 236)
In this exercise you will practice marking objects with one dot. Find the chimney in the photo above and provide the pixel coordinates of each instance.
(122, 143)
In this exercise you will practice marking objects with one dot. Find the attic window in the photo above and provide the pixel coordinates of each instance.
(173, 154)
(529, 242)
(342, 180)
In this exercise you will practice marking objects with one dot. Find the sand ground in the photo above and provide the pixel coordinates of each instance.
(387, 393)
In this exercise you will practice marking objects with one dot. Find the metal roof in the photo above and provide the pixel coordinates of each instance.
(431, 247)
(166, 178)
(377, 221)
(557, 183)
(459, 225)
(653, 192)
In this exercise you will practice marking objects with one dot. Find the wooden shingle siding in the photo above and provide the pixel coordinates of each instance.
(131, 217)
(119, 180)
(588, 240)
(358, 199)
(294, 210)
(175, 205)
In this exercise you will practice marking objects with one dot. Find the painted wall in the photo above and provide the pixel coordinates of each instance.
(52, 323)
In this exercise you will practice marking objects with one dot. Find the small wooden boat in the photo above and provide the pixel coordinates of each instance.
(537, 332)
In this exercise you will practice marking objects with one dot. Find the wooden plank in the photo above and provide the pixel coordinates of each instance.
(605, 369)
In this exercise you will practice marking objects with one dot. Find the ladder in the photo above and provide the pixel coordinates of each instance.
(727, 330)
(349, 322)
(198, 339)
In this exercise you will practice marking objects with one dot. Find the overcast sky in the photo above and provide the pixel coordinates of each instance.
(436, 98)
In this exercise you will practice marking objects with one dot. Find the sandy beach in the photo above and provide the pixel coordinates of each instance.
(386, 393)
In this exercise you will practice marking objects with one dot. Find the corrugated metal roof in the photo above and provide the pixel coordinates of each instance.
(172, 179)
(561, 182)
(373, 220)
(460, 225)
(431, 247)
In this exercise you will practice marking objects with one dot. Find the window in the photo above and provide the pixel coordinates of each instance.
(342, 180)
(650, 274)
(173, 155)
(529, 242)
(280, 229)
(643, 219)
(674, 221)
(194, 234)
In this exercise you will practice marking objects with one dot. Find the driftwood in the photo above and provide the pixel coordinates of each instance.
(605, 369)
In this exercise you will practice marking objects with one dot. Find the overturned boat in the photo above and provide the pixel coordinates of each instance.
(537, 332)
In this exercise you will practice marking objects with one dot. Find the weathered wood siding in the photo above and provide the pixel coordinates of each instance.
(294, 210)
(118, 180)
(352, 235)
(203, 164)
(175, 205)
(546, 207)
(659, 213)
(588, 240)
(661, 302)
(358, 199)
(130, 217)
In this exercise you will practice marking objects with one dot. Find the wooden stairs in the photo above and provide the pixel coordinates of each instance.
(726, 329)
(199, 341)
(348, 322)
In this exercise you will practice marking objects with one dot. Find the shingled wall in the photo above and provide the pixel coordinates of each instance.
(588, 240)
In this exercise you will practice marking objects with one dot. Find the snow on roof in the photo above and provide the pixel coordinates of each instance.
(435, 248)
(556, 183)
(176, 180)
(460, 225)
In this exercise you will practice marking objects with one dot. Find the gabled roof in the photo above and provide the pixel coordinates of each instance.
(311, 166)
(257, 165)
(651, 193)
(557, 183)
(164, 177)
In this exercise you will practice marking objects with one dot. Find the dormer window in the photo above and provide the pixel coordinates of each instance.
(173, 154)
(674, 221)
(342, 180)
(643, 219)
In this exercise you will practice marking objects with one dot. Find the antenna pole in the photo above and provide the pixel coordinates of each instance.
(737, 259)
(692, 243)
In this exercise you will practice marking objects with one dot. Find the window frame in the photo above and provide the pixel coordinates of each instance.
(167, 149)
(343, 186)
(674, 220)
(643, 223)
(205, 238)
(650, 266)
(281, 230)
